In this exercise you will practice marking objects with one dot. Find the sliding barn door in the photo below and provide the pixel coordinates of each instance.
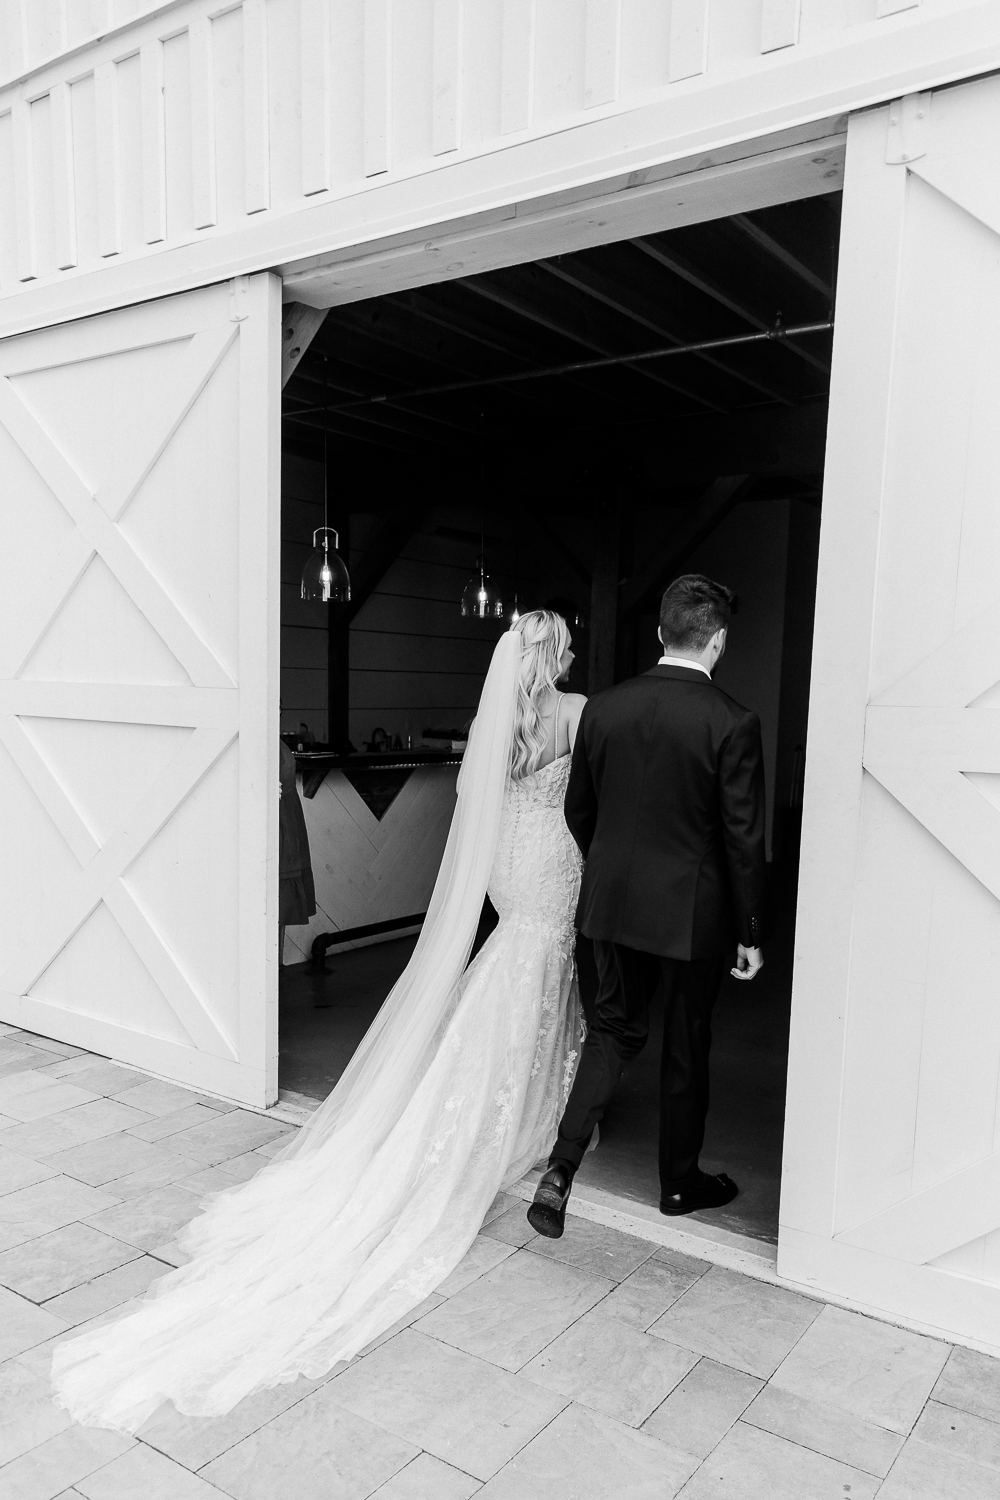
(892, 1161)
(139, 495)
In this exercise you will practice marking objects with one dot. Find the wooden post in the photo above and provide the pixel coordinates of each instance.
(604, 599)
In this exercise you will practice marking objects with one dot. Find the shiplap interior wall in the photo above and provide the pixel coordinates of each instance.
(415, 662)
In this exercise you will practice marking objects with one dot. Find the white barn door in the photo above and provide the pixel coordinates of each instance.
(891, 1193)
(139, 535)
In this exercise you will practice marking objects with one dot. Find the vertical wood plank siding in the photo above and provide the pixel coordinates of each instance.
(290, 103)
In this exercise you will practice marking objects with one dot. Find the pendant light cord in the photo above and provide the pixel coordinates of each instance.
(326, 453)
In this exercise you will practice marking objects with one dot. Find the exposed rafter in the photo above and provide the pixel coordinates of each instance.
(676, 263)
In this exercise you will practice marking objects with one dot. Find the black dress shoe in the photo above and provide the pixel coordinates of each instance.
(547, 1214)
(702, 1192)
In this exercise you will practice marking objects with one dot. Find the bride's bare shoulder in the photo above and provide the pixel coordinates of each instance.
(573, 705)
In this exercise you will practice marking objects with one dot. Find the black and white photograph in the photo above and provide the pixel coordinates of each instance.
(499, 749)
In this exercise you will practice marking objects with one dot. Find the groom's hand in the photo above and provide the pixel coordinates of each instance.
(749, 962)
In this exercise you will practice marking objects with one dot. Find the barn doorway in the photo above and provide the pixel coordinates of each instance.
(533, 418)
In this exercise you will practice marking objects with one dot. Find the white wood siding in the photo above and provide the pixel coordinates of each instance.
(892, 1157)
(148, 147)
(138, 754)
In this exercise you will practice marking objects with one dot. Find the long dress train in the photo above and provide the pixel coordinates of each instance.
(305, 1265)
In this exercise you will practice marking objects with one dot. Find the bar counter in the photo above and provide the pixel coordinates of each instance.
(377, 826)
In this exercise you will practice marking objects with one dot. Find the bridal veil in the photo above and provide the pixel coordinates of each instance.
(331, 1242)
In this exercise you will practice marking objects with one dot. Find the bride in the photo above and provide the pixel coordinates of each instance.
(455, 1092)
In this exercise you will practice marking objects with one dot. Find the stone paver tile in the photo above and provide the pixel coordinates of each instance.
(29, 1414)
(434, 1299)
(41, 1138)
(461, 1409)
(170, 1170)
(55, 1262)
(101, 1117)
(923, 1472)
(740, 1322)
(645, 1295)
(510, 1314)
(241, 1168)
(142, 1474)
(171, 1254)
(109, 1157)
(316, 1449)
(271, 1148)
(158, 1127)
(511, 1227)
(960, 1432)
(864, 1367)
(971, 1381)
(681, 1262)
(60, 1049)
(17, 1056)
(482, 1255)
(501, 1203)
(222, 1136)
(49, 1205)
(205, 1180)
(157, 1098)
(427, 1478)
(98, 1074)
(825, 1429)
(107, 1291)
(753, 1465)
(60, 1461)
(596, 1249)
(30, 1096)
(195, 1441)
(603, 1363)
(148, 1221)
(18, 1171)
(584, 1455)
(23, 1325)
(698, 1414)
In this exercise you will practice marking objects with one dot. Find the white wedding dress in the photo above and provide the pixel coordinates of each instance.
(319, 1254)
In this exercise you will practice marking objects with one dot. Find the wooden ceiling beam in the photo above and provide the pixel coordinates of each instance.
(523, 307)
(702, 282)
(778, 252)
(595, 283)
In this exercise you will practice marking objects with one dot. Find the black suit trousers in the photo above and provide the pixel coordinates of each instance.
(627, 980)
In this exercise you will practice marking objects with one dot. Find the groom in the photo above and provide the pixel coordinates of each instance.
(666, 800)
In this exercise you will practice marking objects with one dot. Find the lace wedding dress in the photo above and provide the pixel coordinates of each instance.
(319, 1254)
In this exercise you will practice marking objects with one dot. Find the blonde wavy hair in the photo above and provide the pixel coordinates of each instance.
(545, 637)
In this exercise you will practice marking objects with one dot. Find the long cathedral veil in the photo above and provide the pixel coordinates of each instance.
(322, 1250)
(395, 1052)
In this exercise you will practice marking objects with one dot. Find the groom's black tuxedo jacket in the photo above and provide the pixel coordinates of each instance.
(666, 800)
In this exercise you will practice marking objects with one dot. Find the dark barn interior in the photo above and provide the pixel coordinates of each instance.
(555, 418)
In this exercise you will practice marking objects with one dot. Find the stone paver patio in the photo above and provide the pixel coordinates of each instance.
(596, 1366)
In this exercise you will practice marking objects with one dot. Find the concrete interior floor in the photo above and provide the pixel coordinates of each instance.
(324, 1016)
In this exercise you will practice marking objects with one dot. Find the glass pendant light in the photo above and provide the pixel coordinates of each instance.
(480, 600)
(325, 578)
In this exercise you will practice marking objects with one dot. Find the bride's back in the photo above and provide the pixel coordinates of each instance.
(536, 871)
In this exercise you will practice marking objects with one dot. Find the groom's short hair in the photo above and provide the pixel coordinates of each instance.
(692, 610)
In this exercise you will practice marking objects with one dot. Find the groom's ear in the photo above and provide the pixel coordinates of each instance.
(659, 635)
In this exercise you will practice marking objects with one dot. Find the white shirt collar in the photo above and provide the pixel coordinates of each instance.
(683, 661)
